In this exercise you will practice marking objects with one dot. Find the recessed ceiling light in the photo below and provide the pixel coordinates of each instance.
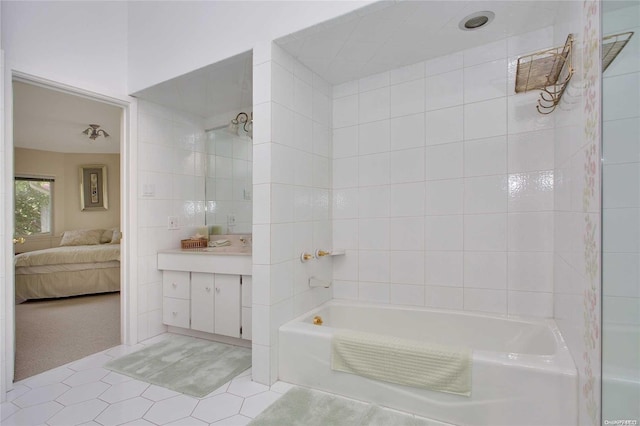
(476, 20)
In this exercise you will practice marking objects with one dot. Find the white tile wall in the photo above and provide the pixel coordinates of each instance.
(171, 151)
(440, 196)
(292, 178)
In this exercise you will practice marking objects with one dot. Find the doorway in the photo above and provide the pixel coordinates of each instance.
(59, 152)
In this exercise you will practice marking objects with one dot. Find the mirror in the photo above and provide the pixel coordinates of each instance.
(219, 98)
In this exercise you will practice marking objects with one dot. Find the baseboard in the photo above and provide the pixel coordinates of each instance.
(208, 336)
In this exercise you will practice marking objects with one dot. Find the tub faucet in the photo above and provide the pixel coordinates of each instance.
(315, 282)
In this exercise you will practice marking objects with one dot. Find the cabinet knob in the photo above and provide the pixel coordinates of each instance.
(208, 289)
(217, 289)
(175, 314)
(174, 285)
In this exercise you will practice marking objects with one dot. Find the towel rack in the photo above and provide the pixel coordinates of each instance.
(548, 71)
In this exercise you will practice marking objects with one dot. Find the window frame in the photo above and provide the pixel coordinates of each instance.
(37, 178)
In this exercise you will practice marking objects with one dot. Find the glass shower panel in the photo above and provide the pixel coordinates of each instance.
(621, 219)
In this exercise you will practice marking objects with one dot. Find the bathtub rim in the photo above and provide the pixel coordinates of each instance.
(561, 362)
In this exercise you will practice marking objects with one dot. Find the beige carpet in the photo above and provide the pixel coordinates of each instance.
(53, 332)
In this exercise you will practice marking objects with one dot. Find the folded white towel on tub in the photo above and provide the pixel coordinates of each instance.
(403, 361)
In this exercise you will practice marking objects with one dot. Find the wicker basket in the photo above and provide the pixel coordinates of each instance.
(192, 244)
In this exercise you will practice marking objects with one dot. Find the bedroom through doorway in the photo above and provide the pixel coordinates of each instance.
(67, 216)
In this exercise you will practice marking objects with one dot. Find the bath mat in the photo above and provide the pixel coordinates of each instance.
(306, 407)
(192, 366)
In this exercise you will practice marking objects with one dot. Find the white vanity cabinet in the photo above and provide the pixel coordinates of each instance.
(197, 297)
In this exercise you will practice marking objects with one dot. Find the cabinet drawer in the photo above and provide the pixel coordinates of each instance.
(175, 284)
(175, 312)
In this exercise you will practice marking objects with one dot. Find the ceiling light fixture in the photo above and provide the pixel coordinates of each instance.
(476, 20)
(94, 130)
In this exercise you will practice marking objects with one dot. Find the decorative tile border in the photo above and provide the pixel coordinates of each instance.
(592, 335)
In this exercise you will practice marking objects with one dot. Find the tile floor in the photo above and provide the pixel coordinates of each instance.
(84, 393)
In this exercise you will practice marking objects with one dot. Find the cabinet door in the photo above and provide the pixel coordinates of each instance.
(227, 305)
(202, 305)
(246, 291)
(246, 323)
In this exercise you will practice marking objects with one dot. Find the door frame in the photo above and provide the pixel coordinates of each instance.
(128, 222)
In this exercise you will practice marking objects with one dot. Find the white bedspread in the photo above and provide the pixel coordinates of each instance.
(403, 361)
(69, 254)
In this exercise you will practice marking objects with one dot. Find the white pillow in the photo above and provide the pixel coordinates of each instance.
(81, 237)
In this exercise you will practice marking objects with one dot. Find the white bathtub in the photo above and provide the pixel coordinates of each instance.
(523, 373)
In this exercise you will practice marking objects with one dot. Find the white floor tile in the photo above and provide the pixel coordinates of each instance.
(78, 413)
(139, 422)
(8, 409)
(158, 393)
(125, 411)
(256, 404)
(237, 420)
(56, 375)
(217, 407)
(17, 391)
(41, 395)
(246, 372)
(125, 390)
(86, 376)
(281, 387)
(244, 387)
(90, 362)
(221, 389)
(98, 397)
(123, 350)
(82, 393)
(188, 421)
(38, 414)
(114, 378)
(171, 409)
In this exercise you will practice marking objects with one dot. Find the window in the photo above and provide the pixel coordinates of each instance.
(33, 205)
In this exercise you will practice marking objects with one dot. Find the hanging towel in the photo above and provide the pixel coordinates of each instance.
(403, 361)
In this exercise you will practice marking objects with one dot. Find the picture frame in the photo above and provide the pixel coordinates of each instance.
(93, 187)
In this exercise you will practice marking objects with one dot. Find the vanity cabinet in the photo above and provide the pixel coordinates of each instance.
(206, 292)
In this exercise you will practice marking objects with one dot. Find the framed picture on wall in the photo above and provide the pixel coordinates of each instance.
(93, 187)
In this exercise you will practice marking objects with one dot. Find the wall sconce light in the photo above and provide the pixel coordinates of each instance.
(246, 121)
(94, 130)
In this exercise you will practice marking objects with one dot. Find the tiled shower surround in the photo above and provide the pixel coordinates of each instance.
(443, 185)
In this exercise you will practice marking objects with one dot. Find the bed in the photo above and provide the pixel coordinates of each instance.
(69, 270)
